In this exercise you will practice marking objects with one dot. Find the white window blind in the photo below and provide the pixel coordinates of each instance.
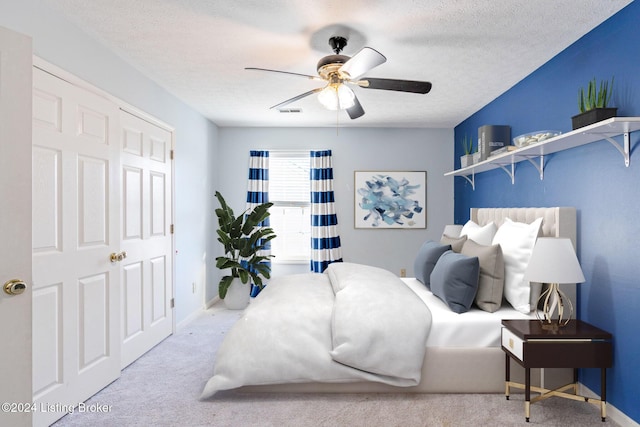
(289, 178)
(289, 189)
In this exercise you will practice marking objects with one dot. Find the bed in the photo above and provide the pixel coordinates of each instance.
(329, 338)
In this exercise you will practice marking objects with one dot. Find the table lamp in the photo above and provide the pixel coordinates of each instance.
(554, 261)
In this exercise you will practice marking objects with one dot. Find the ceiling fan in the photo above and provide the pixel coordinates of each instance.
(340, 71)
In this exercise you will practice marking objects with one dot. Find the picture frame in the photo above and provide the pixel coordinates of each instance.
(390, 199)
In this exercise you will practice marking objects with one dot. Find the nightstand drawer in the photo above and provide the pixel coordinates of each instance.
(512, 343)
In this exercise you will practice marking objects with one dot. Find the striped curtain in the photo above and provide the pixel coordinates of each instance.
(258, 193)
(325, 241)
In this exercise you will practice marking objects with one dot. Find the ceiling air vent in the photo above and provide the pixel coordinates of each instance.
(290, 110)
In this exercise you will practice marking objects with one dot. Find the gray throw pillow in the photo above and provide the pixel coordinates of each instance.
(491, 283)
(426, 259)
(455, 280)
(455, 242)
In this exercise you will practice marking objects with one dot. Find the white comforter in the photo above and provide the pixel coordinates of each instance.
(352, 323)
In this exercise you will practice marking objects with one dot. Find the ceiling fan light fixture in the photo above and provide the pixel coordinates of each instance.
(338, 71)
(337, 97)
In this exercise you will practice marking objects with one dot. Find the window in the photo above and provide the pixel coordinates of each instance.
(290, 218)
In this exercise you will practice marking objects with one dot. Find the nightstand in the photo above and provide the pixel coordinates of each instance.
(576, 345)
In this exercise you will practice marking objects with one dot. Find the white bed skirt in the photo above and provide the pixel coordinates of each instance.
(459, 370)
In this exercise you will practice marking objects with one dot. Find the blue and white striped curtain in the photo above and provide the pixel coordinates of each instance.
(325, 241)
(258, 193)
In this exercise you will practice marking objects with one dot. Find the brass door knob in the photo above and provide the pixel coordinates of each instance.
(117, 257)
(15, 287)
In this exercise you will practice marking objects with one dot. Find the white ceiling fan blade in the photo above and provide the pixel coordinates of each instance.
(356, 110)
(363, 61)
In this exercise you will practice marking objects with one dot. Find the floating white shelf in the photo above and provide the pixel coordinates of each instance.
(535, 153)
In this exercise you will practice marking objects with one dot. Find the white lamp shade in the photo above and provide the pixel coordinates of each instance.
(554, 261)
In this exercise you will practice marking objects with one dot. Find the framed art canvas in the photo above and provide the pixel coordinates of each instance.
(390, 199)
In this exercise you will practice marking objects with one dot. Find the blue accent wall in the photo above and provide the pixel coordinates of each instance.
(593, 178)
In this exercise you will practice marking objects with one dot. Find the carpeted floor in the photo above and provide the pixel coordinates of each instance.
(162, 389)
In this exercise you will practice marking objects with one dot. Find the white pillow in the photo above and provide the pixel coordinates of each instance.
(452, 230)
(517, 240)
(481, 235)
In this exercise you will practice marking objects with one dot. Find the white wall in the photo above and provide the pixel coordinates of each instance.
(354, 149)
(61, 43)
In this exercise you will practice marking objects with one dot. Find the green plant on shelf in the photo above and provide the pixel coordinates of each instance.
(594, 96)
(467, 145)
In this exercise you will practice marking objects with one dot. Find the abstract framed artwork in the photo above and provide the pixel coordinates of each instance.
(390, 199)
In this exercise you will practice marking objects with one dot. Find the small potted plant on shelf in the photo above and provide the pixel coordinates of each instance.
(467, 158)
(243, 237)
(592, 104)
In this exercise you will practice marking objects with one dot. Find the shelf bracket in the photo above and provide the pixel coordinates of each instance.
(624, 149)
(539, 167)
(471, 180)
(509, 172)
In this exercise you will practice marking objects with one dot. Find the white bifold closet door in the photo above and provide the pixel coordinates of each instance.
(102, 246)
(76, 222)
(146, 220)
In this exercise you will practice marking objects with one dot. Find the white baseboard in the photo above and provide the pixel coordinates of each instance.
(612, 412)
(212, 301)
(190, 318)
(193, 316)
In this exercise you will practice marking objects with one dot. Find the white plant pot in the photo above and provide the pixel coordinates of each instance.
(466, 160)
(238, 295)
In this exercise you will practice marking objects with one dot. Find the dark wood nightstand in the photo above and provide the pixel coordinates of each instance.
(576, 345)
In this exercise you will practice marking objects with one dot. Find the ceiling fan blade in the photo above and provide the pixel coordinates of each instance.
(412, 86)
(284, 72)
(363, 61)
(295, 98)
(356, 110)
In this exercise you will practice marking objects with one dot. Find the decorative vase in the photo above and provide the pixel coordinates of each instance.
(466, 160)
(237, 297)
(592, 116)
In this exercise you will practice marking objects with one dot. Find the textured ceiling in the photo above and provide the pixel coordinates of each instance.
(471, 50)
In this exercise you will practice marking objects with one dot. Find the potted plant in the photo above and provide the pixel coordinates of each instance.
(467, 145)
(592, 104)
(243, 238)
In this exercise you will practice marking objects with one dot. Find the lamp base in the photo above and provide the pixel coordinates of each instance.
(554, 327)
(554, 299)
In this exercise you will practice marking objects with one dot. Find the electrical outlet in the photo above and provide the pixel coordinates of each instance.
(403, 272)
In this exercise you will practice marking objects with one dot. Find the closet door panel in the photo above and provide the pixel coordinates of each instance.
(76, 197)
(146, 237)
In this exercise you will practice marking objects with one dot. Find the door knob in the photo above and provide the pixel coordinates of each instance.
(15, 287)
(117, 257)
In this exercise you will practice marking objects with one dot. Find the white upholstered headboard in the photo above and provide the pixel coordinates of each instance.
(556, 222)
